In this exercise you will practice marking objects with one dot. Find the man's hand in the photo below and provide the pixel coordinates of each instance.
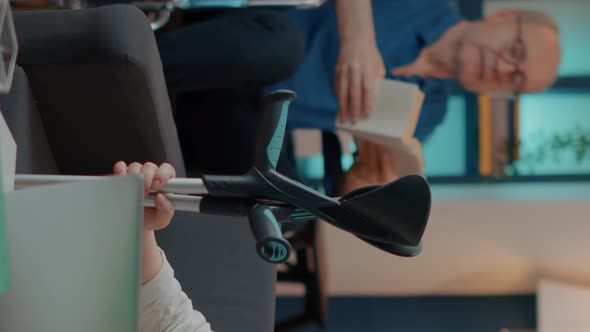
(154, 218)
(359, 62)
(374, 165)
(419, 68)
(426, 65)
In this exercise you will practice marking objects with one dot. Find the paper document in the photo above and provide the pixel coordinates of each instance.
(562, 307)
(397, 108)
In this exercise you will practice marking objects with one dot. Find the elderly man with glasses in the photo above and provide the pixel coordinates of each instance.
(425, 42)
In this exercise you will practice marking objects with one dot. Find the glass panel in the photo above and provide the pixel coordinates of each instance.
(444, 152)
(572, 18)
(555, 134)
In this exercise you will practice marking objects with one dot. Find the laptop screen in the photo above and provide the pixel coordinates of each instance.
(74, 254)
(4, 273)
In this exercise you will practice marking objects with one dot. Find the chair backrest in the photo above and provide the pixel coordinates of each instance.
(34, 155)
(98, 83)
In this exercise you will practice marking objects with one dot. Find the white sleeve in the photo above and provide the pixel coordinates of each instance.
(166, 308)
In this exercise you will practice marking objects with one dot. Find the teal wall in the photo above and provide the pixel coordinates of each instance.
(444, 152)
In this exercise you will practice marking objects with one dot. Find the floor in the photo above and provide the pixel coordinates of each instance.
(420, 314)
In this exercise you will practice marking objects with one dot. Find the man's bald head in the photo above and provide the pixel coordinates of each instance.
(538, 17)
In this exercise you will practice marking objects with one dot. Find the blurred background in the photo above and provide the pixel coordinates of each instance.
(511, 185)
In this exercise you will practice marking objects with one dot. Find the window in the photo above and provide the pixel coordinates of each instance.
(445, 152)
(554, 134)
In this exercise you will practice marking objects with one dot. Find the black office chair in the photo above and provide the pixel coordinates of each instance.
(97, 81)
(308, 267)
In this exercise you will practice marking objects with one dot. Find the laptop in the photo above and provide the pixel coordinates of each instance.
(74, 257)
(4, 273)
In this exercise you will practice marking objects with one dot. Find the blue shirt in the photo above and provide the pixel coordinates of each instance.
(403, 28)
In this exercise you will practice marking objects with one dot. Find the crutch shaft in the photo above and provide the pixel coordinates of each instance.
(192, 186)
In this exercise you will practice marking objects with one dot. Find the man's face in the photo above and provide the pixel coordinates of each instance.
(499, 55)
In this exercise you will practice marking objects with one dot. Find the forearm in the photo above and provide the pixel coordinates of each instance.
(359, 62)
(152, 258)
(355, 20)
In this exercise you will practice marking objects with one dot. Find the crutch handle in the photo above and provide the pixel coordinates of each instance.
(272, 127)
(270, 244)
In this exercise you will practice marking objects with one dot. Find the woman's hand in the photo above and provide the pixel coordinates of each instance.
(153, 218)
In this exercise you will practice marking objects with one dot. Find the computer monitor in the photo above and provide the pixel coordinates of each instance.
(74, 253)
(4, 273)
(8, 48)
